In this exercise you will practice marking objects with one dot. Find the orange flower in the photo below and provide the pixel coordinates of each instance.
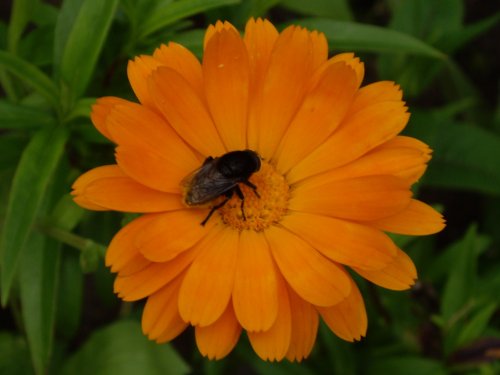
(334, 176)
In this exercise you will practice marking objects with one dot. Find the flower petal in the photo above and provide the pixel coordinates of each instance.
(374, 93)
(171, 233)
(402, 142)
(398, 275)
(105, 171)
(362, 198)
(122, 249)
(343, 241)
(321, 112)
(100, 112)
(358, 134)
(149, 149)
(273, 344)
(208, 284)
(151, 169)
(319, 48)
(135, 264)
(213, 29)
(109, 187)
(281, 91)
(185, 111)
(173, 56)
(255, 293)
(387, 159)
(183, 61)
(347, 319)
(304, 328)
(147, 281)
(160, 318)
(313, 277)
(418, 219)
(218, 339)
(85, 203)
(260, 36)
(227, 78)
(138, 71)
(347, 58)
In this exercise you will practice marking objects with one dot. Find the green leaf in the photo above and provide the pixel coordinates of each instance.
(36, 47)
(192, 40)
(359, 37)
(12, 146)
(469, 32)
(172, 12)
(464, 158)
(82, 108)
(239, 15)
(334, 9)
(39, 277)
(462, 278)
(404, 365)
(440, 266)
(33, 174)
(20, 16)
(438, 23)
(30, 74)
(14, 355)
(476, 325)
(45, 14)
(88, 134)
(70, 296)
(427, 20)
(15, 116)
(463, 153)
(65, 21)
(341, 358)
(85, 42)
(122, 349)
(67, 214)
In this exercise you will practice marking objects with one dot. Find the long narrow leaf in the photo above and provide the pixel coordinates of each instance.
(20, 16)
(85, 43)
(172, 12)
(35, 169)
(14, 356)
(458, 162)
(39, 276)
(334, 9)
(70, 296)
(359, 37)
(65, 21)
(462, 277)
(30, 74)
(15, 116)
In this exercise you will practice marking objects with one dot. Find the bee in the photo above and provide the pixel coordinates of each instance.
(221, 176)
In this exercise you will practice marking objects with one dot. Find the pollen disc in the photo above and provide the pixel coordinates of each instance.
(260, 212)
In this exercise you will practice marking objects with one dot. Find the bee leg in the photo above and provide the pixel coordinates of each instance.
(240, 195)
(229, 194)
(252, 186)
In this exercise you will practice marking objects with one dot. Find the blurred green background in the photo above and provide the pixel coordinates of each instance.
(59, 315)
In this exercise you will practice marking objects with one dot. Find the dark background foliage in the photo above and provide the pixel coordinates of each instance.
(59, 315)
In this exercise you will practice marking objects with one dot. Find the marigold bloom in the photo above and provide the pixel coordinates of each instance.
(335, 176)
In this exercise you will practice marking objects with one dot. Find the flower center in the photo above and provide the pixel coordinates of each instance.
(261, 212)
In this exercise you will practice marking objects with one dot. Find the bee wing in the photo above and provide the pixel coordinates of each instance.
(205, 184)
